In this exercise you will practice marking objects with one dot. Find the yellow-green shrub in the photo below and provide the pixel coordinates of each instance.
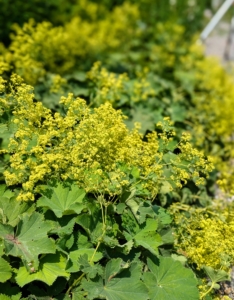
(201, 85)
(118, 89)
(206, 237)
(92, 147)
(212, 115)
(39, 48)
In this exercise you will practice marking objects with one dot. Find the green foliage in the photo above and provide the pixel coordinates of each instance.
(5, 270)
(204, 236)
(63, 201)
(101, 184)
(97, 251)
(60, 11)
(29, 240)
(93, 148)
(165, 278)
(115, 285)
(51, 266)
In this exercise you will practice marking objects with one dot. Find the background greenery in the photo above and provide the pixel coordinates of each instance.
(137, 199)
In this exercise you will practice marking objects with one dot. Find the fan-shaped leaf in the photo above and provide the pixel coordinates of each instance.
(51, 267)
(5, 270)
(30, 238)
(144, 235)
(170, 280)
(63, 200)
(11, 209)
(116, 288)
(73, 264)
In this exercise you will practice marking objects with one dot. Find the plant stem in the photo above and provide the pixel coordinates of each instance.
(104, 215)
(75, 283)
(207, 292)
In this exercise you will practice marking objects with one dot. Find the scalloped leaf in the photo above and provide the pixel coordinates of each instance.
(216, 275)
(63, 200)
(3, 128)
(5, 192)
(73, 263)
(4, 297)
(29, 240)
(170, 280)
(5, 270)
(11, 209)
(144, 235)
(116, 285)
(51, 267)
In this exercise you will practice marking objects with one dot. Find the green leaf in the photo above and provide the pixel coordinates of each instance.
(11, 209)
(170, 158)
(92, 224)
(5, 270)
(120, 208)
(4, 297)
(170, 280)
(115, 286)
(74, 256)
(3, 128)
(145, 116)
(216, 275)
(63, 226)
(10, 290)
(112, 269)
(166, 187)
(134, 205)
(4, 192)
(167, 236)
(30, 239)
(178, 112)
(51, 266)
(135, 172)
(125, 289)
(182, 259)
(148, 238)
(163, 216)
(90, 269)
(144, 235)
(63, 200)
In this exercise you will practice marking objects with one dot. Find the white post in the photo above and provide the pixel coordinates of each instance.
(216, 18)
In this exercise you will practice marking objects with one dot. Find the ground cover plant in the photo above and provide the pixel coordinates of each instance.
(115, 133)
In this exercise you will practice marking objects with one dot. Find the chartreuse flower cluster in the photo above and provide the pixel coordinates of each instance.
(211, 91)
(92, 147)
(213, 122)
(205, 235)
(201, 81)
(117, 89)
(31, 56)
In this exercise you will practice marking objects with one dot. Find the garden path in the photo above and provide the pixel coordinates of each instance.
(216, 42)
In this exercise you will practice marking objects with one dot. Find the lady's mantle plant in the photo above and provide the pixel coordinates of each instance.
(94, 230)
(92, 147)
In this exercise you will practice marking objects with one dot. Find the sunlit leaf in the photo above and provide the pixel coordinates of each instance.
(170, 280)
(216, 275)
(144, 235)
(73, 263)
(5, 270)
(11, 209)
(63, 200)
(115, 286)
(29, 240)
(51, 266)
